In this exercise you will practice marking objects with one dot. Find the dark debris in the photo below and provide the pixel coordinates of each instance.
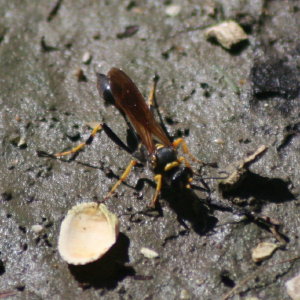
(274, 78)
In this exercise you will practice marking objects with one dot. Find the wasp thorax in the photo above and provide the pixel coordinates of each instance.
(164, 156)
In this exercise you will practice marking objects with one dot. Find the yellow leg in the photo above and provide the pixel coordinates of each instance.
(158, 179)
(79, 147)
(188, 165)
(122, 178)
(185, 161)
(185, 149)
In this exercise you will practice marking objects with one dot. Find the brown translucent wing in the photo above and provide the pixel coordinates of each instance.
(129, 99)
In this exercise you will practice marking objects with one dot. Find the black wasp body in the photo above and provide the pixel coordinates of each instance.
(161, 153)
(118, 89)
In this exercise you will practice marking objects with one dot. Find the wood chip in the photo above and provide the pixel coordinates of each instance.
(227, 34)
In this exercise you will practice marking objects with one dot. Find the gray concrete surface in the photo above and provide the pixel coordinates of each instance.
(226, 104)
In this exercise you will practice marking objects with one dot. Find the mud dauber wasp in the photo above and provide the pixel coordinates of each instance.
(156, 148)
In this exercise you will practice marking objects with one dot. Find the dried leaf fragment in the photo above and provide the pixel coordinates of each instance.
(87, 233)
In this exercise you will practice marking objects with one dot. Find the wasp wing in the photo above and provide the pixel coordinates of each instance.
(129, 99)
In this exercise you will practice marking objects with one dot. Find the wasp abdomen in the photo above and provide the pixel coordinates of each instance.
(104, 90)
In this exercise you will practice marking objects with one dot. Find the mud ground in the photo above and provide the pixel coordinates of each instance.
(225, 103)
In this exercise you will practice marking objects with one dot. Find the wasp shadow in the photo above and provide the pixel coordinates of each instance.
(108, 270)
(190, 207)
(262, 189)
(187, 205)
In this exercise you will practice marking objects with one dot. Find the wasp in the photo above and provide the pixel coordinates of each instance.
(156, 148)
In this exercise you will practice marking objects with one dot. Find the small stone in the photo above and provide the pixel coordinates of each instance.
(263, 250)
(184, 295)
(37, 228)
(199, 281)
(149, 253)
(22, 143)
(173, 10)
(228, 34)
(219, 141)
(293, 287)
(86, 58)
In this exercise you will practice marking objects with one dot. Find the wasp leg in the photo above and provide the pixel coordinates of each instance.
(152, 104)
(122, 178)
(185, 149)
(158, 179)
(115, 138)
(188, 165)
(185, 161)
(90, 139)
(79, 147)
(151, 97)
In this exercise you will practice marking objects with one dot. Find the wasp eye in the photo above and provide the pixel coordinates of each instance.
(104, 90)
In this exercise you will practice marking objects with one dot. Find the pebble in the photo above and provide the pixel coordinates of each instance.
(37, 228)
(86, 58)
(149, 253)
(173, 10)
(293, 287)
(263, 250)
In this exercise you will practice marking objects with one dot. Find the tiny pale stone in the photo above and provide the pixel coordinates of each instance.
(219, 141)
(173, 10)
(293, 287)
(184, 295)
(263, 250)
(149, 253)
(86, 58)
(22, 142)
(37, 228)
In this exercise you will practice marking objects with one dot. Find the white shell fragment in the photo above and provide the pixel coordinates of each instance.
(149, 253)
(87, 233)
(293, 287)
(262, 251)
(227, 34)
